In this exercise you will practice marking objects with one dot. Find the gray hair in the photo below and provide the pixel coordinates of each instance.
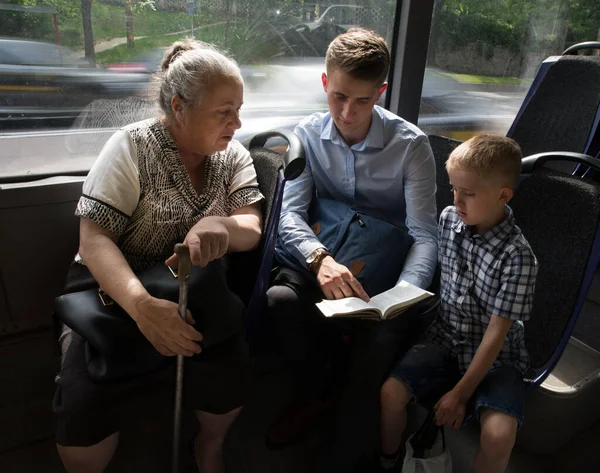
(187, 70)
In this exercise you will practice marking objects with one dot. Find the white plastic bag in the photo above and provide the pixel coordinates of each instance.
(437, 460)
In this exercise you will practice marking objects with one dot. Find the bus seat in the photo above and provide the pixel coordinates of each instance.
(442, 147)
(273, 169)
(557, 212)
(560, 216)
(561, 110)
(38, 239)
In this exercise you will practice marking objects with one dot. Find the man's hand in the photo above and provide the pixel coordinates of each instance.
(337, 281)
(450, 409)
(208, 240)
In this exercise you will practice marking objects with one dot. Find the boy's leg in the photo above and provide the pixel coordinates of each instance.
(499, 404)
(394, 399)
(425, 371)
(498, 434)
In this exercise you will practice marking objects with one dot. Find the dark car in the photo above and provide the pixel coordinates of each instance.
(42, 84)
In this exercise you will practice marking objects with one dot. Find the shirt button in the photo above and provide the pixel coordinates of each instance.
(351, 179)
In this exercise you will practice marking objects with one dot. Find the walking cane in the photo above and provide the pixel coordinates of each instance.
(183, 272)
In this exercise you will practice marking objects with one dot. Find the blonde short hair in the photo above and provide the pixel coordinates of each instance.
(360, 53)
(491, 156)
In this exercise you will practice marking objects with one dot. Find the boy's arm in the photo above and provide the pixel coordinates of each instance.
(421, 220)
(486, 354)
(512, 302)
(450, 409)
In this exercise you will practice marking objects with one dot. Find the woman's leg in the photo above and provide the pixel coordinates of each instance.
(87, 419)
(498, 434)
(92, 459)
(208, 444)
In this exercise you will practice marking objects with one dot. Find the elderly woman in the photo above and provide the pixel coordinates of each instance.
(180, 177)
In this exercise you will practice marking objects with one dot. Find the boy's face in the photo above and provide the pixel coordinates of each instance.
(351, 103)
(479, 201)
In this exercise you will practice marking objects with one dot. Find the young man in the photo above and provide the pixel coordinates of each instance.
(374, 161)
(474, 351)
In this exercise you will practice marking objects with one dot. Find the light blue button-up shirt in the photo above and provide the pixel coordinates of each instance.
(389, 175)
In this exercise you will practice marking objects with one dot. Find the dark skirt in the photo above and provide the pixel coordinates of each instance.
(88, 412)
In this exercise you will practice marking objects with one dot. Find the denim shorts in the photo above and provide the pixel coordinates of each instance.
(429, 372)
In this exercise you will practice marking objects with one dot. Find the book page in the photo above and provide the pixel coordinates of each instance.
(401, 295)
(343, 306)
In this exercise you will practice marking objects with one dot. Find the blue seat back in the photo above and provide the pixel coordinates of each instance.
(559, 215)
(251, 270)
(561, 111)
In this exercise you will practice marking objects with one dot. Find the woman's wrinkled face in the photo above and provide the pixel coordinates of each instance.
(209, 126)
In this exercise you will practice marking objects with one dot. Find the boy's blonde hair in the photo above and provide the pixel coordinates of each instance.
(491, 156)
(360, 53)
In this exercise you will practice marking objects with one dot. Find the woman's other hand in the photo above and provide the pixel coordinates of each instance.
(160, 323)
(208, 240)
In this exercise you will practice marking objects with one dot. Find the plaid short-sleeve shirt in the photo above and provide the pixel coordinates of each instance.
(482, 275)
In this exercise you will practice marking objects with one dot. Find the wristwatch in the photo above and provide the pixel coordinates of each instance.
(316, 258)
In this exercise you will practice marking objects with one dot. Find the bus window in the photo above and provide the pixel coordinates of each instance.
(483, 56)
(58, 108)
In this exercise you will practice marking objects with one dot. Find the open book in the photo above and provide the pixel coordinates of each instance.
(386, 305)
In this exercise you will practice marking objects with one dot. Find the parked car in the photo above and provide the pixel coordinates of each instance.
(43, 84)
(345, 16)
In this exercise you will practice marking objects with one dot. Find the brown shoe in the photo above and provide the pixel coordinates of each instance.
(294, 421)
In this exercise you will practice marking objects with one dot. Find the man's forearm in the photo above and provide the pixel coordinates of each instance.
(421, 260)
(420, 264)
(297, 236)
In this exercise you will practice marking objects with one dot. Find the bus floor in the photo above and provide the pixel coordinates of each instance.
(148, 449)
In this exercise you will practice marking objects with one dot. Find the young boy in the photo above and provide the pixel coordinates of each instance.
(474, 351)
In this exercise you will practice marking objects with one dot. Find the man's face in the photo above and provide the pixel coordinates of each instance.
(351, 103)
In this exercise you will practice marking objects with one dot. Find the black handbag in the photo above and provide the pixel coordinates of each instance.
(115, 348)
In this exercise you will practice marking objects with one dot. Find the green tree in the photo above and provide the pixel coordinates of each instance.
(88, 33)
(434, 33)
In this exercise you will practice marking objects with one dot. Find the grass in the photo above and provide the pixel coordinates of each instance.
(120, 53)
(475, 79)
(109, 22)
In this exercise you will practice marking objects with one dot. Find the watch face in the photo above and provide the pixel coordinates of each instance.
(313, 257)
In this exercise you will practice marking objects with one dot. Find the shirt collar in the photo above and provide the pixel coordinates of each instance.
(495, 235)
(328, 130)
(374, 137)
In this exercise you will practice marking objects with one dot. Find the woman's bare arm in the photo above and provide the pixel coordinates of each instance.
(99, 251)
(157, 319)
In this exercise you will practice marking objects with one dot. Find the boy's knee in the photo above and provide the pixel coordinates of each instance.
(498, 433)
(394, 395)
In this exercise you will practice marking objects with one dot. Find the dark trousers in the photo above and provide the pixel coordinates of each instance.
(354, 355)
